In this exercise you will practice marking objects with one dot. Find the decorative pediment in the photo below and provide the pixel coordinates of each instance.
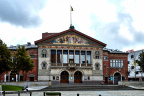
(70, 39)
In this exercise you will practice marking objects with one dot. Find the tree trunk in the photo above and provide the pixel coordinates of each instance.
(23, 75)
(0, 77)
(26, 76)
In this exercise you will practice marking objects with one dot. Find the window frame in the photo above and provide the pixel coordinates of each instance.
(44, 53)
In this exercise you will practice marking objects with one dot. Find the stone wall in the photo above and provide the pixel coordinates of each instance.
(131, 83)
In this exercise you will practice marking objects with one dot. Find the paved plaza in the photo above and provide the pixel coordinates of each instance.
(36, 92)
(89, 93)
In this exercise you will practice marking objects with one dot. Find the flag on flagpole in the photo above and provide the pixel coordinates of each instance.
(134, 64)
(72, 9)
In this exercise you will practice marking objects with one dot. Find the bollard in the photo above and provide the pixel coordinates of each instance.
(18, 93)
(44, 93)
(78, 94)
(59, 94)
(30, 93)
(3, 93)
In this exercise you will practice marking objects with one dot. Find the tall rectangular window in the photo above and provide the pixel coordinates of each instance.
(83, 57)
(53, 56)
(117, 65)
(113, 63)
(65, 56)
(59, 56)
(122, 63)
(88, 57)
(77, 57)
(71, 56)
(32, 56)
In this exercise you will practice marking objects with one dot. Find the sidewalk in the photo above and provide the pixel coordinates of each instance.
(36, 87)
(137, 87)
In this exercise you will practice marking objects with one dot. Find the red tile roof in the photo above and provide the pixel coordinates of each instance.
(57, 34)
(44, 35)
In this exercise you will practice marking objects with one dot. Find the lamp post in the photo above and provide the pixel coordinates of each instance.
(49, 82)
(49, 70)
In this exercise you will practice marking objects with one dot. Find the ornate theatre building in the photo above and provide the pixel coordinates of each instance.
(70, 57)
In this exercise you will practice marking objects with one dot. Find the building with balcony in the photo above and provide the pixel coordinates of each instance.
(73, 57)
(135, 71)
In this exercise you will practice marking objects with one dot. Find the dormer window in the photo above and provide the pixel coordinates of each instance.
(44, 53)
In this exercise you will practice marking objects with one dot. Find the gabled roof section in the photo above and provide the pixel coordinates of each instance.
(44, 35)
(112, 51)
(57, 34)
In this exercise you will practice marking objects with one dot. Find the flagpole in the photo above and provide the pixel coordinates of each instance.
(70, 16)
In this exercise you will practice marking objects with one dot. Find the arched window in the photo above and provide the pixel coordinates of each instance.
(97, 66)
(97, 55)
(44, 53)
(44, 65)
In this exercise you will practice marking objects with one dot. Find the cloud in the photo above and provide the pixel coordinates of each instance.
(23, 13)
(119, 34)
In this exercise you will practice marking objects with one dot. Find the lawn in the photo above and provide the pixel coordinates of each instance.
(11, 88)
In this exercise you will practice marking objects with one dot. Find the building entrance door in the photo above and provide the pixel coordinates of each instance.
(13, 76)
(64, 77)
(117, 77)
(78, 77)
(106, 80)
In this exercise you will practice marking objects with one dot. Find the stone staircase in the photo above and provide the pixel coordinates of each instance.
(85, 87)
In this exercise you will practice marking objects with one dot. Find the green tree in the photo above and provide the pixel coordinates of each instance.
(22, 60)
(5, 58)
(140, 61)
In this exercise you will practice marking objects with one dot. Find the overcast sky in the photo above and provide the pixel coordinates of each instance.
(117, 23)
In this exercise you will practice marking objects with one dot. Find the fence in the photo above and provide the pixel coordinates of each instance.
(29, 93)
(18, 92)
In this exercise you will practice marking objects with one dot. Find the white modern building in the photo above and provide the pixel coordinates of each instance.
(135, 73)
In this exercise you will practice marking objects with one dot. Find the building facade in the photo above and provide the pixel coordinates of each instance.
(72, 57)
(20, 76)
(135, 72)
(115, 66)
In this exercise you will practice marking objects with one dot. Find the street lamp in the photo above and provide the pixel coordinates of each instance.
(49, 70)
(49, 82)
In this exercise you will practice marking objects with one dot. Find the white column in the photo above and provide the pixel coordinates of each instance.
(91, 58)
(56, 57)
(5, 78)
(74, 56)
(62, 57)
(80, 58)
(86, 57)
(68, 57)
(121, 77)
(16, 77)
